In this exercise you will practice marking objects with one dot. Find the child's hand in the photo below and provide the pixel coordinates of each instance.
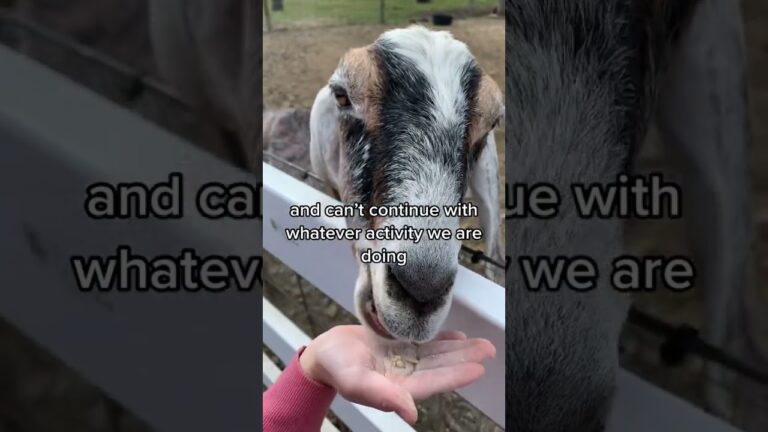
(390, 375)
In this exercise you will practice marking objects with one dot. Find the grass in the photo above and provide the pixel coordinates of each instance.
(367, 11)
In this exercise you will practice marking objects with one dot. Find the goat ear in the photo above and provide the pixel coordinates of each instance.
(324, 148)
(489, 107)
(364, 82)
(484, 183)
(668, 20)
(675, 16)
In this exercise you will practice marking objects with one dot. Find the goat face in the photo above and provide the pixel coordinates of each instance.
(414, 110)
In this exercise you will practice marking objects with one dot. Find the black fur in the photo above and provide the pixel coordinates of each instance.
(581, 87)
(405, 105)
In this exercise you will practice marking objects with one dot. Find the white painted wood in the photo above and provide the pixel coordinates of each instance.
(643, 407)
(284, 339)
(269, 371)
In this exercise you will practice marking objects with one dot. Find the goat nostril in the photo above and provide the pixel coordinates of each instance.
(447, 286)
(422, 286)
(393, 274)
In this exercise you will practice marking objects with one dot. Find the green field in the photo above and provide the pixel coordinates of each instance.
(368, 11)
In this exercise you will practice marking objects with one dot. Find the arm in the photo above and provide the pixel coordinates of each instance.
(296, 402)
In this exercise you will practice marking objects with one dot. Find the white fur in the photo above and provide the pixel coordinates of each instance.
(440, 57)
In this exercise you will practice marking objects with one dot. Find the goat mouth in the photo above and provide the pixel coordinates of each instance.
(372, 319)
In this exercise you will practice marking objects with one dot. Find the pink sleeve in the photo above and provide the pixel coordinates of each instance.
(295, 402)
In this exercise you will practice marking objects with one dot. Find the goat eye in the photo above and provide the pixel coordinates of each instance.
(342, 100)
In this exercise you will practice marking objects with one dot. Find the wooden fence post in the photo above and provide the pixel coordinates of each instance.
(267, 17)
(382, 18)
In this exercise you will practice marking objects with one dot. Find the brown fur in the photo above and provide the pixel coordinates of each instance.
(364, 89)
(487, 110)
(364, 83)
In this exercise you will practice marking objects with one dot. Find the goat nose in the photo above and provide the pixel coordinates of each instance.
(424, 285)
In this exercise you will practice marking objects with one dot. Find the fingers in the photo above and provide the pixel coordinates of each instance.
(449, 362)
(374, 390)
(447, 365)
(471, 351)
(423, 384)
(451, 335)
(444, 346)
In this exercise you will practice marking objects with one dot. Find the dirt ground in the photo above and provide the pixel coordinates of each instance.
(297, 63)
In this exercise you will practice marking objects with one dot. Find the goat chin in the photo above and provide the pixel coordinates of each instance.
(388, 318)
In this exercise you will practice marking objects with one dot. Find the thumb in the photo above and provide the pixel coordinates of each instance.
(406, 406)
(402, 403)
(377, 391)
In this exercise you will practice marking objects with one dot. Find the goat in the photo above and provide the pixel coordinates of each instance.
(409, 119)
(286, 134)
(210, 51)
(582, 84)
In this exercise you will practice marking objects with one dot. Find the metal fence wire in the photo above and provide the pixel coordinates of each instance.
(287, 14)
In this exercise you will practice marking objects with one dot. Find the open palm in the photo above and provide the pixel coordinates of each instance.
(390, 375)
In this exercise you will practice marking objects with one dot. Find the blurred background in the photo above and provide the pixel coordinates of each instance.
(641, 348)
(105, 46)
(297, 14)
